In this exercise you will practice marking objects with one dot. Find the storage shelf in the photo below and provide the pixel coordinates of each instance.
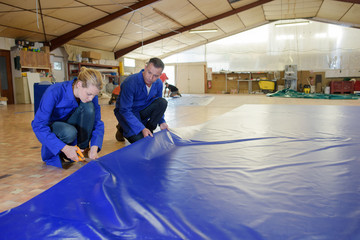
(240, 82)
(102, 68)
(93, 65)
(47, 68)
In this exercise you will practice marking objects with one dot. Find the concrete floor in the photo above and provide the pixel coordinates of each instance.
(24, 175)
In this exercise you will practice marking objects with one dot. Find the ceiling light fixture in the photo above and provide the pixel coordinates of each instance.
(203, 30)
(288, 24)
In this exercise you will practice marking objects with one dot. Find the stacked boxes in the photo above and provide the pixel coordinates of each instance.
(91, 55)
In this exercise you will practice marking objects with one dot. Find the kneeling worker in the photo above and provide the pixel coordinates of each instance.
(173, 91)
(140, 106)
(69, 115)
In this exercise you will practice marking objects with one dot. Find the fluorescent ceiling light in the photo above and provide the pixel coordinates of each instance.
(203, 30)
(288, 24)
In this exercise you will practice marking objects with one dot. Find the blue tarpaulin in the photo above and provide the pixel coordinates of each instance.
(257, 172)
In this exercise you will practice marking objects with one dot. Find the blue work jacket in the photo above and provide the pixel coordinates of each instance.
(57, 104)
(132, 99)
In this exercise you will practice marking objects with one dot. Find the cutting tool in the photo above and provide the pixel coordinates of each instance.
(80, 155)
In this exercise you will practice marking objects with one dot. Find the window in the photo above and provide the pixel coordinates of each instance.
(57, 66)
(128, 62)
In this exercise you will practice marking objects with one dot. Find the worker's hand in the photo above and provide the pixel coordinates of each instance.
(146, 132)
(164, 126)
(93, 153)
(70, 152)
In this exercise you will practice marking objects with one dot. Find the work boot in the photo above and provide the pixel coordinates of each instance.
(119, 133)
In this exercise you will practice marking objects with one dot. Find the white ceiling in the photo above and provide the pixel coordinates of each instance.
(148, 28)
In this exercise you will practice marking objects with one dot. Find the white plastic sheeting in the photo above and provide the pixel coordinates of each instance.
(315, 46)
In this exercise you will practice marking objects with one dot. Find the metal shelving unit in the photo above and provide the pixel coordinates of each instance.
(290, 77)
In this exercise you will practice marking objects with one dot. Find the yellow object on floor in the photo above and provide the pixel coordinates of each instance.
(306, 90)
(266, 86)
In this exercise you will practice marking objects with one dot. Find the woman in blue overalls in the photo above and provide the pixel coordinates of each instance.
(69, 115)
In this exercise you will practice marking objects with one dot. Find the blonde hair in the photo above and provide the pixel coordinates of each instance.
(90, 76)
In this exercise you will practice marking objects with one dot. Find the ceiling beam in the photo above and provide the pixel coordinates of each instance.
(350, 1)
(59, 41)
(124, 51)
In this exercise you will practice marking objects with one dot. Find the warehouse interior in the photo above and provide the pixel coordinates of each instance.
(221, 54)
(250, 40)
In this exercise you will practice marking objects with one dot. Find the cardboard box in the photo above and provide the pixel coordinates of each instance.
(91, 54)
(45, 49)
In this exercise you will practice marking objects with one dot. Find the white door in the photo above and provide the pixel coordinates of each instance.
(191, 78)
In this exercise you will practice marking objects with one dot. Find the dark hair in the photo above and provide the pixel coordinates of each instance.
(157, 63)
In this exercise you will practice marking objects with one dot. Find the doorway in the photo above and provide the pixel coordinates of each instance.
(6, 86)
(191, 78)
(318, 83)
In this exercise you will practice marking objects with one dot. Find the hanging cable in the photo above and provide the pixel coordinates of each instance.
(42, 20)
(150, 20)
(142, 35)
(127, 24)
(37, 14)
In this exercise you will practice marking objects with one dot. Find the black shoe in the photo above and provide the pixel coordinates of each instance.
(119, 134)
(63, 158)
(66, 163)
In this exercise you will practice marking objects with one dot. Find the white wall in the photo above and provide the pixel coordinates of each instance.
(59, 75)
(6, 43)
(314, 47)
(59, 55)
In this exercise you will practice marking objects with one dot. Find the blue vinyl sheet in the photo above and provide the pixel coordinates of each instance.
(258, 172)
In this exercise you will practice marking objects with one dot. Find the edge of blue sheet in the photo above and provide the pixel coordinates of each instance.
(270, 172)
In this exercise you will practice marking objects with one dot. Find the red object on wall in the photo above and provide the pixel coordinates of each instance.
(357, 86)
(209, 84)
(342, 87)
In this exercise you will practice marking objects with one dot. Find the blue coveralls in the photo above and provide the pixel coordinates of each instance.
(134, 98)
(57, 104)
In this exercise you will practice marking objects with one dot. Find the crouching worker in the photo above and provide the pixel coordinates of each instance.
(173, 91)
(69, 116)
(140, 106)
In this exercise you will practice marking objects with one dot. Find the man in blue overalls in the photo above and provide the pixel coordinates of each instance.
(140, 106)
